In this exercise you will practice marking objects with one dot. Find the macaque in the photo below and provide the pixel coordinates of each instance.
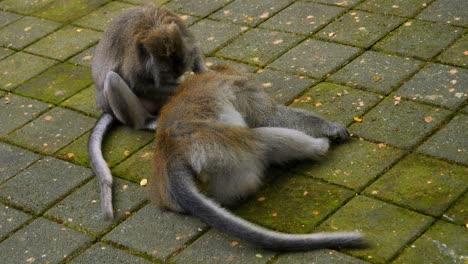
(220, 130)
(136, 68)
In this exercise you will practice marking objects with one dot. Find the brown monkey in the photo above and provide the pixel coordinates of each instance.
(221, 129)
(136, 68)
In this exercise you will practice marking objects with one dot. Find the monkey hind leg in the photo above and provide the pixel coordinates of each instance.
(284, 144)
(125, 105)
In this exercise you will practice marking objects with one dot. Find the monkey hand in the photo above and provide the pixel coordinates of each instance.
(336, 132)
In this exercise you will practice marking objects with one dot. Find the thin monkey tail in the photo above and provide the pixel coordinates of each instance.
(99, 165)
(184, 191)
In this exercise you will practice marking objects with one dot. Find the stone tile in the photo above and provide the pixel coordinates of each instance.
(353, 164)
(346, 3)
(419, 39)
(11, 219)
(248, 12)
(104, 253)
(57, 83)
(7, 18)
(20, 67)
(442, 243)
(52, 131)
(189, 20)
(450, 142)
(388, 227)
(100, 18)
(43, 184)
(165, 231)
(457, 54)
(14, 160)
(65, 42)
(438, 84)
(25, 6)
(318, 256)
(336, 102)
(403, 8)
(360, 28)
(376, 72)
(199, 8)
(303, 18)
(400, 123)
(458, 213)
(5, 52)
(282, 87)
(118, 144)
(315, 58)
(222, 249)
(68, 10)
(84, 58)
(259, 46)
(213, 61)
(137, 167)
(25, 31)
(82, 209)
(213, 34)
(421, 183)
(84, 101)
(10, 108)
(141, 2)
(293, 203)
(447, 11)
(42, 241)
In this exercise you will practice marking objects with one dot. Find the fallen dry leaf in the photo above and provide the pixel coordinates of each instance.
(143, 182)
(145, 154)
(274, 214)
(278, 41)
(47, 118)
(127, 152)
(261, 199)
(318, 104)
(428, 119)
(264, 15)
(87, 57)
(315, 212)
(266, 85)
(69, 155)
(234, 243)
(296, 100)
(250, 18)
(357, 119)
(377, 78)
(27, 29)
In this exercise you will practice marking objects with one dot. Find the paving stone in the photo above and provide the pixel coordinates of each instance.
(450, 142)
(155, 232)
(438, 84)
(118, 144)
(52, 131)
(7, 18)
(456, 54)
(442, 243)
(84, 101)
(293, 203)
(259, 46)
(315, 58)
(20, 67)
(388, 227)
(137, 167)
(5, 52)
(16, 111)
(189, 20)
(65, 42)
(104, 253)
(213, 61)
(84, 58)
(25, 31)
(346, 3)
(458, 213)
(353, 164)
(318, 257)
(42, 184)
(14, 160)
(419, 39)
(213, 34)
(42, 241)
(424, 184)
(394, 7)
(57, 83)
(376, 72)
(141, 2)
(447, 11)
(282, 87)
(303, 18)
(250, 13)
(199, 8)
(222, 249)
(400, 123)
(25, 6)
(11, 219)
(360, 28)
(82, 209)
(336, 102)
(68, 10)
(100, 18)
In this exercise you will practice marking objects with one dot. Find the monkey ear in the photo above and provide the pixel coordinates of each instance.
(164, 42)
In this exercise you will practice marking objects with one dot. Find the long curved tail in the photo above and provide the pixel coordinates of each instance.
(186, 194)
(99, 165)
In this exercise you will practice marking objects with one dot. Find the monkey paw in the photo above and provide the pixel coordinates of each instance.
(336, 132)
